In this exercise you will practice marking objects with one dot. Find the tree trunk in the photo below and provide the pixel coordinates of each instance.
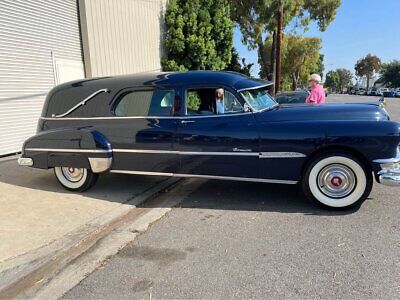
(294, 82)
(263, 59)
(367, 82)
(279, 49)
(273, 57)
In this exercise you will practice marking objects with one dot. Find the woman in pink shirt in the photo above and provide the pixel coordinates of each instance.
(317, 94)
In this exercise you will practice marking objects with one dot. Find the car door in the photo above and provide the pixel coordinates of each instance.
(143, 133)
(224, 145)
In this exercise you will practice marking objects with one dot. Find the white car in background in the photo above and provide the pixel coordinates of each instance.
(397, 92)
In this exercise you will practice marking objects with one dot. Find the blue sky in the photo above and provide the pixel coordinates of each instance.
(360, 27)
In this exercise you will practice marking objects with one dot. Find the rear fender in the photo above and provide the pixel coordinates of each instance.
(72, 147)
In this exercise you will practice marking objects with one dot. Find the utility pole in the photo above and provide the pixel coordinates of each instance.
(273, 58)
(278, 77)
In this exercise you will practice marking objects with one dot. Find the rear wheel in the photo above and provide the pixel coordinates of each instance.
(75, 179)
(337, 180)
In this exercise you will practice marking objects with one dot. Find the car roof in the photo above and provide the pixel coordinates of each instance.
(172, 79)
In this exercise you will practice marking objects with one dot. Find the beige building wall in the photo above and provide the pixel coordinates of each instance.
(121, 36)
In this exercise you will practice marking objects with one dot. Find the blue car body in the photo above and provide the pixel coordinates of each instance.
(271, 145)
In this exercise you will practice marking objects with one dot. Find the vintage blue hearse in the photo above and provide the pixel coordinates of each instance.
(166, 124)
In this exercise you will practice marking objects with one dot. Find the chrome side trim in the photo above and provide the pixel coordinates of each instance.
(108, 118)
(389, 163)
(68, 150)
(142, 117)
(83, 102)
(25, 161)
(145, 151)
(185, 152)
(206, 176)
(141, 173)
(281, 154)
(100, 164)
(392, 160)
(241, 150)
(233, 153)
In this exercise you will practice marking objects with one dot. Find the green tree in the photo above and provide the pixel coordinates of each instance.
(257, 20)
(199, 35)
(239, 65)
(320, 66)
(367, 65)
(332, 80)
(300, 58)
(391, 74)
(345, 78)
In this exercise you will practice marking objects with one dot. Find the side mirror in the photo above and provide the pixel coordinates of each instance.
(246, 107)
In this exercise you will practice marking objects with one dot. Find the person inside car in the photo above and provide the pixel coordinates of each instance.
(219, 101)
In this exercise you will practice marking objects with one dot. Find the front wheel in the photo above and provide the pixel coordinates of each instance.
(337, 180)
(75, 179)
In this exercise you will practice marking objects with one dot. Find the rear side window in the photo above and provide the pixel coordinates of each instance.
(145, 103)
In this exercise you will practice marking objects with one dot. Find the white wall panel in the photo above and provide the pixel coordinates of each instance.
(31, 32)
(122, 36)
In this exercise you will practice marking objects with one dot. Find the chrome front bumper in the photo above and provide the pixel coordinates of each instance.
(390, 173)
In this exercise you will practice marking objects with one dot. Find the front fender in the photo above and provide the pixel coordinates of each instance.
(372, 139)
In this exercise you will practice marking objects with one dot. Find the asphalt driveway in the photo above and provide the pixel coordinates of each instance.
(249, 240)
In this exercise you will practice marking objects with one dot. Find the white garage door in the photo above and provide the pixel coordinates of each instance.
(40, 45)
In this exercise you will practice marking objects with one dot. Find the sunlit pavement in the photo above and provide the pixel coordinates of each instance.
(242, 240)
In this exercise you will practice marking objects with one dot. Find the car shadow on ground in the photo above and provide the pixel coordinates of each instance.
(213, 194)
(109, 187)
(248, 196)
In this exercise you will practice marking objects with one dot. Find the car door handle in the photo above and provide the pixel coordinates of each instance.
(187, 121)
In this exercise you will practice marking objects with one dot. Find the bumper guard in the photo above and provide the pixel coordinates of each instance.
(390, 173)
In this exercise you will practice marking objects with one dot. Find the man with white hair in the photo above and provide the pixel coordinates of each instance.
(317, 94)
(219, 100)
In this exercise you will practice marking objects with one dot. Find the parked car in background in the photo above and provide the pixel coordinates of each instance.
(390, 93)
(381, 90)
(373, 91)
(353, 92)
(293, 97)
(397, 92)
(167, 124)
(361, 92)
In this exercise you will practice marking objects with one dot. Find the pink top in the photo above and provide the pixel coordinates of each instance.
(317, 95)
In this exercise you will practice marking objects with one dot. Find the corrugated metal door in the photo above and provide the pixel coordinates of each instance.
(34, 35)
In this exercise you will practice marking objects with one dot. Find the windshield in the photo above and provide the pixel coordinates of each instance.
(259, 99)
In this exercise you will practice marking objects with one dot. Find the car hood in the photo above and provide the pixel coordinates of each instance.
(325, 112)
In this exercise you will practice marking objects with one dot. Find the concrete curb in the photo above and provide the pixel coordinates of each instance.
(36, 268)
(110, 245)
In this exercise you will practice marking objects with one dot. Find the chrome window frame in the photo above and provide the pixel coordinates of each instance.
(186, 89)
(81, 103)
(255, 88)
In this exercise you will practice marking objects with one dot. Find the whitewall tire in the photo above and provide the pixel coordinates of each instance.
(337, 180)
(75, 179)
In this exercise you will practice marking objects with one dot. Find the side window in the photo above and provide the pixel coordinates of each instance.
(145, 103)
(211, 101)
(231, 104)
(193, 102)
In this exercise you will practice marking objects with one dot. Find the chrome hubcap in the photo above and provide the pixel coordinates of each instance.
(336, 181)
(72, 174)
